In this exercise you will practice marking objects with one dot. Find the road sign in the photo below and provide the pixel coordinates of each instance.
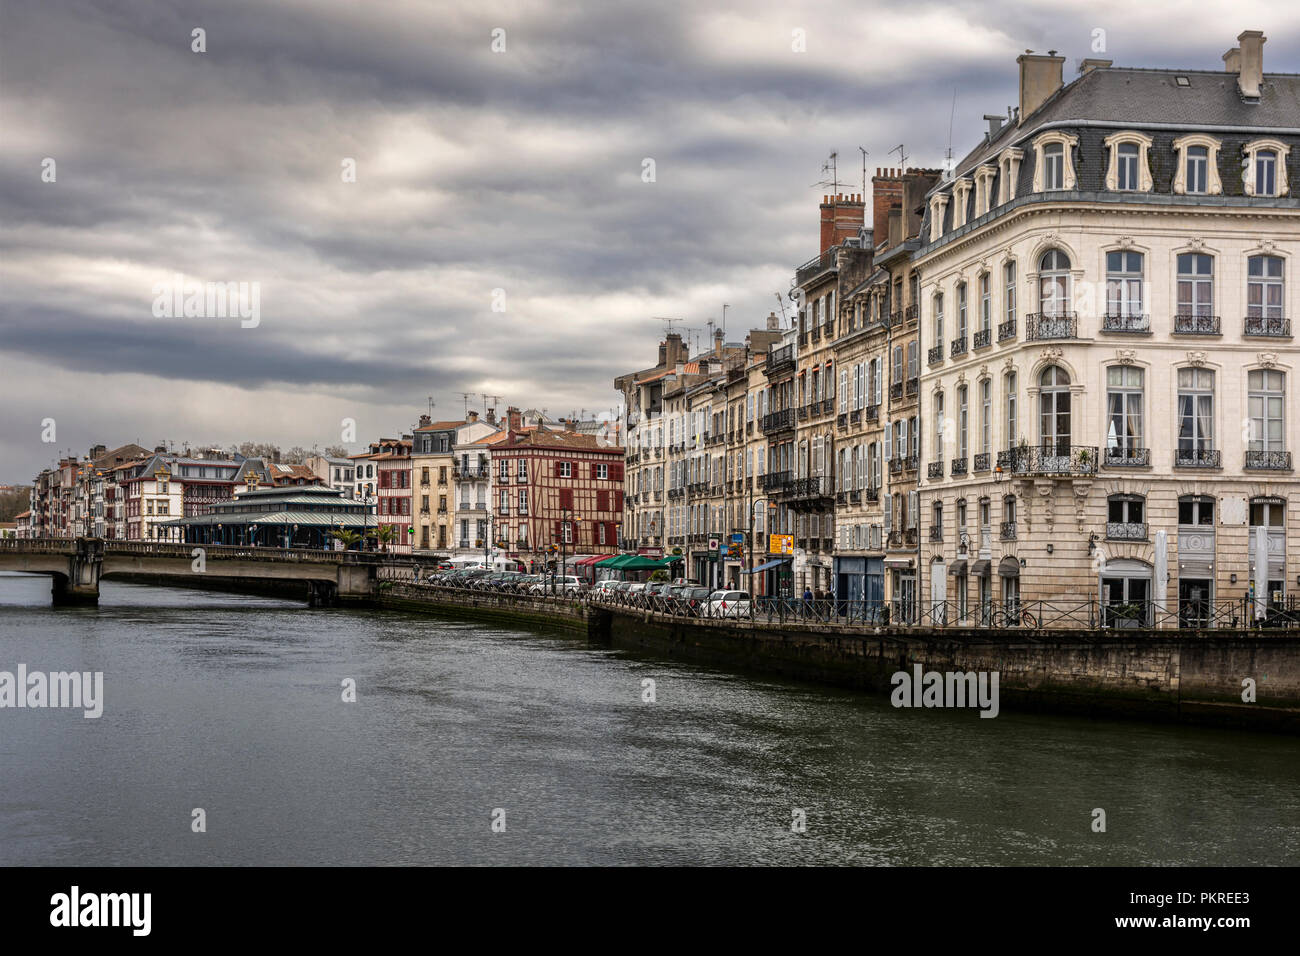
(780, 544)
(713, 544)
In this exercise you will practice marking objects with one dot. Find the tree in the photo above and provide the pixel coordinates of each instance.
(15, 502)
(297, 455)
(384, 534)
(337, 451)
(349, 538)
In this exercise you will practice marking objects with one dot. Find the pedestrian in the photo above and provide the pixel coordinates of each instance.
(807, 601)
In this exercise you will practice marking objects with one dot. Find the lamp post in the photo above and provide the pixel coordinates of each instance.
(487, 539)
(752, 502)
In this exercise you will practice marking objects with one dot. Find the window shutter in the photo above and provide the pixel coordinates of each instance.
(913, 498)
(618, 501)
(889, 512)
(889, 441)
(902, 439)
(616, 472)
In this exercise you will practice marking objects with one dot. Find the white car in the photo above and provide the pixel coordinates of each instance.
(560, 584)
(729, 604)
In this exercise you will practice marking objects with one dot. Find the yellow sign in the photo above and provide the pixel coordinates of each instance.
(780, 544)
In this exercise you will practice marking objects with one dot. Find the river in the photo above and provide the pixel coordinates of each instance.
(234, 705)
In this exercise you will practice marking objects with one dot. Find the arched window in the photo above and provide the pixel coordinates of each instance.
(1054, 411)
(1054, 282)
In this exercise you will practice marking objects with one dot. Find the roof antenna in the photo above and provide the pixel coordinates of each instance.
(949, 168)
(864, 172)
(830, 166)
(781, 302)
(902, 157)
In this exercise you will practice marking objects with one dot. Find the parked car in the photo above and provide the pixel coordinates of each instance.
(693, 601)
(602, 590)
(729, 604)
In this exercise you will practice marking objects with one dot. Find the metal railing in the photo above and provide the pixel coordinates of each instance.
(782, 420)
(1049, 460)
(934, 469)
(1269, 326)
(1197, 325)
(982, 339)
(1007, 330)
(1123, 322)
(1046, 326)
(1126, 530)
(1197, 458)
(1268, 460)
(1126, 457)
(958, 467)
(1007, 532)
(935, 355)
(958, 347)
(982, 462)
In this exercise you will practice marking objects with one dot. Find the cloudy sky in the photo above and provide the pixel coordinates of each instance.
(476, 171)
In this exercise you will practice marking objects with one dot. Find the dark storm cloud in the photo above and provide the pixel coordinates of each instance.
(477, 171)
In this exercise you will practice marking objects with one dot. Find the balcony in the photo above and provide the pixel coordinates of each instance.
(1007, 330)
(873, 413)
(816, 334)
(1197, 325)
(808, 490)
(894, 540)
(910, 463)
(982, 339)
(1008, 531)
(1051, 326)
(910, 537)
(780, 360)
(814, 266)
(896, 391)
(464, 542)
(1198, 458)
(781, 421)
(896, 319)
(1128, 324)
(895, 466)
(1057, 460)
(936, 532)
(873, 493)
(1268, 326)
(913, 386)
(855, 497)
(935, 355)
(828, 405)
(982, 462)
(959, 467)
(910, 313)
(958, 347)
(480, 506)
(1268, 461)
(802, 413)
(1122, 457)
(778, 481)
(934, 469)
(828, 330)
(855, 416)
(1126, 530)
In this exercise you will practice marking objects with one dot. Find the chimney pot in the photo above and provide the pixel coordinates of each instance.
(1040, 77)
(1251, 74)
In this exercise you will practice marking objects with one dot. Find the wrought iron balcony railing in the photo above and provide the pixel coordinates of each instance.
(1139, 324)
(778, 421)
(780, 359)
(1122, 456)
(959, 467)
(1049, 460)
(936, 532)
(841, 420)
(982, 339)
(982, 462)
(1197, 325)
(1268, 460)
(935, 355)
(958, 347)
(1046, 326)
(1126, 530)
(855, 416)
(896, 390)
(1197, 458)
(1269, 326)
(913, 386)
(910, 313)
(1007, 330)
(777, 480)
(934, 469)
(873, 493)
(873, 413)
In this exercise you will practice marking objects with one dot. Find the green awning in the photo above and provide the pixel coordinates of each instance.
(636, 562)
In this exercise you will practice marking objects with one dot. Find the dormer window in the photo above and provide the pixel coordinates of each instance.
(1266, 168)
(1129, 170)
(1009, 163)
(938, 203)
(960, 190)
(1198, 166)
(984, 179)
(1054, 166)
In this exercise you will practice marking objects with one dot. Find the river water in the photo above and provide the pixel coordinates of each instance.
(234, 704)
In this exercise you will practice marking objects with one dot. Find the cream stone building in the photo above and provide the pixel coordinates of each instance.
(1123, 440)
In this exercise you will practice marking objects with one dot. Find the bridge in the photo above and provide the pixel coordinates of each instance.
(78, 564)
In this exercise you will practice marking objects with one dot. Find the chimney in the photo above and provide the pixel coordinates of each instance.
(425, 420)
(514, 420)
(842, 216)
(886, 189)
(718, 341)
(1089, 64)
(1232, 60)
(159, 449)
(1040, 77)
(570, 424)
(1252, 63)
(473, 417)
(98, 451)
(916, 184)
(995, 124)
(895, 224)
(773, 323)
(675, 351)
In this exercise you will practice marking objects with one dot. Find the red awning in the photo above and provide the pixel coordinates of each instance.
(586, 562)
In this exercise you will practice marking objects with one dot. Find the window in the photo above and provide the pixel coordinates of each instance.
(986, 304)
(1196, 175)
(1054, 411)
(1264, 288)
(1054, 166)
(938, 426)
(1011, 410)
(1124, 412)
(1195, 415)
(1054, 282)
(504, 471)
(986, 415)
(1009, 291)
(1127, 162)
(936, 521)
(1195, 511)
(505, 501)
(1195, 285)
(962, 422)
(961, 311)
(1267, 399)
(1266, 173)
(938, 317)
(566, 469)
(602, 472)
(1123, 285)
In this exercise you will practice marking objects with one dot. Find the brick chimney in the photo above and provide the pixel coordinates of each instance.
(570, 424)
(916, 184)
(1251, 74)
(1040, 77)
(842, 217)
(425, 420)
(886, 190)
(673, 351)
(514, 419)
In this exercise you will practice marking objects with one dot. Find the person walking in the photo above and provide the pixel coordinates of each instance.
(807, 602)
